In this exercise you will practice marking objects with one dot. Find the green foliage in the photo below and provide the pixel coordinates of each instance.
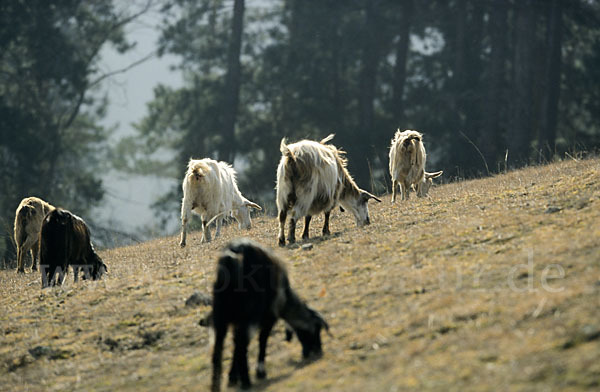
(51, 143)
(475, 77)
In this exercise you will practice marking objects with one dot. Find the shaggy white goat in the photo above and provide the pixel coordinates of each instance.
(312, 178)
(210, 190)
(28, 221)
(407, 164)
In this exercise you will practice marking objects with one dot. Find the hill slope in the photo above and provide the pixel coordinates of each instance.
(490, 284)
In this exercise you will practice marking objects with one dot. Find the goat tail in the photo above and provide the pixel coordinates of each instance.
(23, 216)
(285, 150)
(327, 139)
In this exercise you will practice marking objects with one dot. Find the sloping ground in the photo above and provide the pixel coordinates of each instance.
(491, 284)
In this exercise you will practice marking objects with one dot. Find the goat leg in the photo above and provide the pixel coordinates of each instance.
(282, 217)
(261, 371)
(305, 234)
(240, 356)
(217, 357)
(326, 223)
(292, 230)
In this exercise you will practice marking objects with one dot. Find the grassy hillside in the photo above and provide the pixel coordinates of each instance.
(491, 284)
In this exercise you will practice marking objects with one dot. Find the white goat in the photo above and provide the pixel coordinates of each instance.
(210, 190)
(28, 221)
(423, 187)
(312, 178)
(407, 164)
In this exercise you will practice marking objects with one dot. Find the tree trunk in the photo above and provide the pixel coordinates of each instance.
(401, 58)
(519, 133)
(365, 134)
(232, 84)
(472, 90)
(493, 109)
(460, 47)
(552, 76)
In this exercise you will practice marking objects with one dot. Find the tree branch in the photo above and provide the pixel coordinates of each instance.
(122, 70)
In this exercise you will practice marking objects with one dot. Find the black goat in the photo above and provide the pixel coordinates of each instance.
(252, 290)
(64, 241)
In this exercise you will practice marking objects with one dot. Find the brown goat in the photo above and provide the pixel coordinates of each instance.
(28, 221)
(64, 241)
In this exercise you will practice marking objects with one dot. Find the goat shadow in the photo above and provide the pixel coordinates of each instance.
(260, 385)
(313, 240)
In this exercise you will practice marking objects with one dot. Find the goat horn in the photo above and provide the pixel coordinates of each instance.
(434, 175)
(371, 196)
(253, 205)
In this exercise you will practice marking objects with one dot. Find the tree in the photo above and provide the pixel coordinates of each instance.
(402, 46)
(494, 112)
(232, 83)
(477, 77)
(50, 140)
(520, 132)
(552, 79)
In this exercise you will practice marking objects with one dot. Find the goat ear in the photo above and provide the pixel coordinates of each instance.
(207, 320)
(321, 321)
(368, 196)
(251, 204)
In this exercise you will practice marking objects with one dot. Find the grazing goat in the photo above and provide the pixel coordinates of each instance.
(64, 241)
(252, 291)
(210, 190)
(407, 164)
(28, 221)
(312, 178)
(423, 186)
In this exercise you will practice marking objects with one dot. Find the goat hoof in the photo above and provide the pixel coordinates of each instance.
(246, 386)
(261, 374)
(21, 270)
(281, 242)
(182, 244)
(232, 382)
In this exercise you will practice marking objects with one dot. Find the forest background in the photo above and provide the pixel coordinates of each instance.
(493, 85)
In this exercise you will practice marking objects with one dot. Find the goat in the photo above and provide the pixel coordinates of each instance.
(210, 190)
(312, 178)
(407, 164)
(252, 290)
(423, 187)
(28, 221)
(65, 240)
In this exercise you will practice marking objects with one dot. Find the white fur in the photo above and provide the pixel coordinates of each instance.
(27, 231)
(423, 187)
(210, 190)
(407, 164)
(319, 182)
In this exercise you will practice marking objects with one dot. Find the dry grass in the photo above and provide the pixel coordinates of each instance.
(491, 284)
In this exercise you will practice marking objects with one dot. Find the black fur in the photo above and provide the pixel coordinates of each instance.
(64, 241)
(252, 290)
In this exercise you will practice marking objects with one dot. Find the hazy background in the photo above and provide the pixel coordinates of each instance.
(129, 197)
(102, 103)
